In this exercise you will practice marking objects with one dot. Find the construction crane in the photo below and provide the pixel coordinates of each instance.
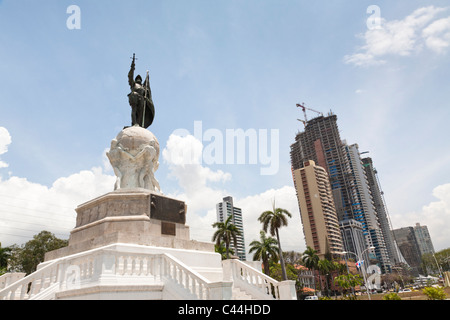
(304, 122)
(304, 111)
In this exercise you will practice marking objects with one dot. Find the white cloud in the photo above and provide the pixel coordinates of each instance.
(183, 155)
(435, 215)
(437, 35)
(5, 141)
(402, 37)
(26, 208)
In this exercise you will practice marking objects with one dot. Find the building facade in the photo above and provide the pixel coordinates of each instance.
(321, 142)
(225, 209)
(382, 212)
(423, 239)
(364, 209)
(409, 248)
(317, 211)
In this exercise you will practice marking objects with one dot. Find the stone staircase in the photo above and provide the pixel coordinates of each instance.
(239, 294)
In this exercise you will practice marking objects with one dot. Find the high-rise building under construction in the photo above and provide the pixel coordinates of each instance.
(321, 142)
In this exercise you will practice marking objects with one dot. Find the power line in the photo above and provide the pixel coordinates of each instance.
(37, 224)
(34, 216)
(40, 202)
(59, 234)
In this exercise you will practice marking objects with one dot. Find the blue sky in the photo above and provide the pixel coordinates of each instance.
(229, 64)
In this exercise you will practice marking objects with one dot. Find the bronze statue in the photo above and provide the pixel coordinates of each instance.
(140, 99)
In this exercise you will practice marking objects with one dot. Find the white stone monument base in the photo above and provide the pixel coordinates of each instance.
(127, 216)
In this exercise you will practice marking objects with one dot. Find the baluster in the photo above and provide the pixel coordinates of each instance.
(175, 272)
(118, 264)
(200, 290)
(194, 287)
(207, 292)
(12, 294)
(277, 293)
(179, 275)
(133, 265)
(187, 279)
(127, 265)
(23, 291)
(141, 267)
(91, 269)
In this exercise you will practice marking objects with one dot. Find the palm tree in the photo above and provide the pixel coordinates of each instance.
(274, 220)
(226, 232)
(264, 250)
(325, 267)
(311, 261)
(221, 249)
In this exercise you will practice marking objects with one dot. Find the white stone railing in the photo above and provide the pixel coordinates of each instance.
(9, 278)
(31, 285)
(106, 266)
(256, 283)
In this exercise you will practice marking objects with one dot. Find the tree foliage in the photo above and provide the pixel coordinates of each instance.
(26, 258)
(434, 293)
(392, 296)
(225, 233)
(273, 221)
(265, 250)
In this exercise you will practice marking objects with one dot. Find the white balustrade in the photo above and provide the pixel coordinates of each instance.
(83, 269)
(257, 283)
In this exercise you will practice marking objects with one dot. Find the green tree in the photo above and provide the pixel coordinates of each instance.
(325, 267)
(311, 261)
(265, 250)
(27, 258)
(276, 273)
(273, 221)
(4, 255)
(226, 232)
(391, 296)
(434, 293)
(222, 250)
(346, 282)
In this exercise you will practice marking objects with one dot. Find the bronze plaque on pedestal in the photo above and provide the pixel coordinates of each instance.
(167, 209)
(168, 228)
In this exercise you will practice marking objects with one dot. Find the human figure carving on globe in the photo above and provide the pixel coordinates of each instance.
(134, 155)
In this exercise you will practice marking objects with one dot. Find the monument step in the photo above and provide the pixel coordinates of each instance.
(114, 292)
(238, 294)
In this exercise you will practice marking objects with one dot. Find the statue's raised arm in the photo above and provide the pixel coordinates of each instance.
(131, 73)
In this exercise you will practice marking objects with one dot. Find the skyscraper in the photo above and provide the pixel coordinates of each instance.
(423, 239)
(321, 142)
(364, 209)
(225, 209)
(382, 213)
(409, 247)
(318, 214)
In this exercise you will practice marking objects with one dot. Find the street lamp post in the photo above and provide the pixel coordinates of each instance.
(362, 271)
